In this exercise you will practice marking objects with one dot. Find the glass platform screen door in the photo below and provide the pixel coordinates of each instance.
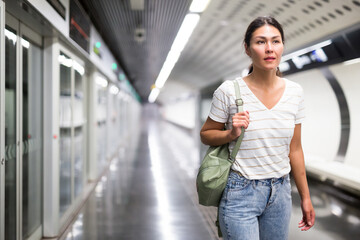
(2, 121)
(72, 133)
(23, 131)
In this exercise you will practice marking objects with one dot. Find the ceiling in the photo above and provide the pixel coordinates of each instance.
(140, 34)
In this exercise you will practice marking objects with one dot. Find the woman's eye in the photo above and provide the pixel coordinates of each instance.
(260, 42)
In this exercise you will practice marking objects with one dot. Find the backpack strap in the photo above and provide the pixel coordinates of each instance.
(239, 103)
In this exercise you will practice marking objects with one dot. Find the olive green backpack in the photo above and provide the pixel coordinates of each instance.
(215, 167)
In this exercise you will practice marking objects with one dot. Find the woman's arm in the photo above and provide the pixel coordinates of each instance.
(298, 171)
(212, 133)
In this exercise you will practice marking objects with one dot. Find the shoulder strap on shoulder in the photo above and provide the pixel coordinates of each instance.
(239, 103)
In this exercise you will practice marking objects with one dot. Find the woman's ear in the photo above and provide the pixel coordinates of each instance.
(247, 50)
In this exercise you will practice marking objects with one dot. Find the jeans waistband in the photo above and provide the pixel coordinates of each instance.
(267, 181)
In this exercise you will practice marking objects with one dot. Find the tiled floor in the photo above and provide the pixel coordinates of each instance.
(149, 194)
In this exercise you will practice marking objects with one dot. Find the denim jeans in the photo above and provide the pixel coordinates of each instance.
(255, 209)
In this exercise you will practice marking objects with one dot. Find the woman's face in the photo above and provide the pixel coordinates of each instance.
(266, 48)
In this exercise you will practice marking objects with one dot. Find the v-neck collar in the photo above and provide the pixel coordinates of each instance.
(269, 109)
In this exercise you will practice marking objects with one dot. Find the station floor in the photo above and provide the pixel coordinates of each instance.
(149, 193)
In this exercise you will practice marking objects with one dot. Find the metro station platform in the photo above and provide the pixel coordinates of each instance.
(149, 193)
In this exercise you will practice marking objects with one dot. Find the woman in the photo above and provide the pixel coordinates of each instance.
(256, 203)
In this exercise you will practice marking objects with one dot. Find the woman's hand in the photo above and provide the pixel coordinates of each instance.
(308, 219)
(241, 119)
(213, 134)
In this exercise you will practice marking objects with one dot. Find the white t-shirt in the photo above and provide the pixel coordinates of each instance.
(264, 151)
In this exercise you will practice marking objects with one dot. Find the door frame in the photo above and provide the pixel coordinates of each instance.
(53, 224)
(75, 201)
(21, 30)
(2, 121)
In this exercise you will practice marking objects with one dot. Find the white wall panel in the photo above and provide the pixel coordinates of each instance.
(321, 128)
(107, 59)
(52, 16)
(349, 79)
(179, 104)
(181, 113)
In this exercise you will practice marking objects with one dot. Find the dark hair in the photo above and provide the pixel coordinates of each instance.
(257, 23)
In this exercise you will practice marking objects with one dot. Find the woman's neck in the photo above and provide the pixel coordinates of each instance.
(261, 78)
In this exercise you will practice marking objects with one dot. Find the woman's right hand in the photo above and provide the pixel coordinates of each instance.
(239, 120)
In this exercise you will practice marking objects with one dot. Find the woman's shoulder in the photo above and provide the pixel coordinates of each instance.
(228, 84)
(293, 85)
(226, 88)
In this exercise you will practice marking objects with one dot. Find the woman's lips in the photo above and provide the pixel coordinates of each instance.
(269, 59)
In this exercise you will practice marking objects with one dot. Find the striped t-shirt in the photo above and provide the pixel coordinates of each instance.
(264, 151)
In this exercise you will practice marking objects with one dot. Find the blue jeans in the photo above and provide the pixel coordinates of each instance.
(255, 209)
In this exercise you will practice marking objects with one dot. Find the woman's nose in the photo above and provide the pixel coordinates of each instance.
(269, 47)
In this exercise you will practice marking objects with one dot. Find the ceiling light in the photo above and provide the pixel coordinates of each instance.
(79, 68)
(306, 50)
(137, 5)
(25, 43)
(353, 61)
(10, 35)
(67, 62)
(169, 64)
(153, 95)
(187, 27)
(114, 90)
(284, 66)
(185, 31)
(182, 37)
(101, 81)
(199, 6)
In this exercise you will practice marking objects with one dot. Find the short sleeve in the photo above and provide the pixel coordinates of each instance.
(300, 115)
(219, 110)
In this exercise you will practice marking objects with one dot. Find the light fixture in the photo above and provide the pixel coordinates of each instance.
(169, 64)
(114, 90)
(306, 50)
(77, 67)
(185, 31)
(199, 6)
(353, 61)
(10, 35)
(284, 66)
(67, 62)
(25, 43)
(101, 81)
(153, 95)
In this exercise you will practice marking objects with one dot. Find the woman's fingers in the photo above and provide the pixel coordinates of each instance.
(303, 225)
(242, 116)
(306, 224)
(308, 219)
(241, 119)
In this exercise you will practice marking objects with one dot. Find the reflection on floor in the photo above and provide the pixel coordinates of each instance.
(149, 193)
